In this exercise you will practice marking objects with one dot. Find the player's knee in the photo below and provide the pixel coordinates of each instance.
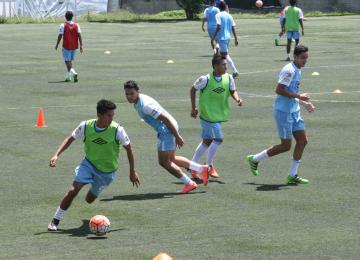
(72, 192)
(286, 147)
(302, 142)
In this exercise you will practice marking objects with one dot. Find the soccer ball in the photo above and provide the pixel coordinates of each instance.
(99, 225)
(259, 3)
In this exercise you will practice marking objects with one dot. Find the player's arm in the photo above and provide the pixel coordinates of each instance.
(203, 23)
(308, 106)
(283, 24)
(174, 131)
(236, 97)
(58, 41)
(215, 34)
(134, 178)
(282, 90)
(194, 111)
(235, 36)
(302, 26)
(65, 144)
(81, 43)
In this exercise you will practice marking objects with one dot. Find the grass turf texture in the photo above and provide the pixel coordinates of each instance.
(237, 217)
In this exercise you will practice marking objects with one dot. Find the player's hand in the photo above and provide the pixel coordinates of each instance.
(309, 107)
(239, 102)
(81, 49)
(236, 42)
(134, 178)
(56, 47)
(304, 97)
(194, 113)
(203, 29)
(179, 141)
(53, 161)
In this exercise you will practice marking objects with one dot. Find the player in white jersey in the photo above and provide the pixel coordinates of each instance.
(287, 116)
(225, 26)
(209, 18)
(168, 136)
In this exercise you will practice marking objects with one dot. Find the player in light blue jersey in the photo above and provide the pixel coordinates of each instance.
(287, 116)
(209, 17)
(168, 136)
(225, 25)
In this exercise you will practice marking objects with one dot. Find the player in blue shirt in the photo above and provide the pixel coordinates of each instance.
(287, 116)
(209, 17)
(168, 136)
(225, 25)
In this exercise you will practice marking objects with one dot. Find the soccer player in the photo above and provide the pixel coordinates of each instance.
(215, 89)
(287, 117)
(281, 20)
(224, 26)
(291, 24)
(168, 136)
(209, 17)
(70, 33)
(102, 138)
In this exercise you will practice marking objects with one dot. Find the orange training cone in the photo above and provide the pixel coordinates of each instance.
(41, 121)
(162, 256)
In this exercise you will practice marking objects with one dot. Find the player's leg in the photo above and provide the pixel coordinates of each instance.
(288, 45)
(100, 182)
(200, 150)
(68, 63)
(224, 51)
(211, 32)
(72, 70)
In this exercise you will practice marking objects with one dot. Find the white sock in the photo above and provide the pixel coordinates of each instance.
(186, 180)
(69, 74)
(59, 213)
(277, 37)
(231, 63)
(294, 167)
(200, 150)
(195, 166)
(261, 156)
(214, 51)
(212, 152)
(72, 71)
(289, 55)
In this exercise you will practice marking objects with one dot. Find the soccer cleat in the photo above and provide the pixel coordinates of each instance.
(296, 180)
(213, 172)
(68, 79)
(235, 75)
(205, 174)
(75, 78)
(277, 42)
(253, 165)
(188, 188)
(195, 175)
(288, 59)
(52, 226)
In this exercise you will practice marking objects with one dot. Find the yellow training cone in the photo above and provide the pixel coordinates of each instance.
(337, 91)
(315, 73)
(170, 61)
(162, 256)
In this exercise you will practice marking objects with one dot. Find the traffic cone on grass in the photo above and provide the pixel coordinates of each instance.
(41, 121)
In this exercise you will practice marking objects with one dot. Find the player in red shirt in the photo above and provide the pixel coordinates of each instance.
(71, 34)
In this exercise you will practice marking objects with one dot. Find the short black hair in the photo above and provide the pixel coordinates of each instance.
(300, 49)
(222, 6)
(131, 84)
(105, 105)
(292, 2)
(217, 59)
(69, 15)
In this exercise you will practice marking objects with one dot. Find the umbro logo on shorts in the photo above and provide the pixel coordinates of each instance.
(219, 90)
(99, 141)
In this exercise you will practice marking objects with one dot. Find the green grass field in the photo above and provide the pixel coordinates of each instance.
(238, 217)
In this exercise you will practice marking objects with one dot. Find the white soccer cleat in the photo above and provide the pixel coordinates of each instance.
(52, 226)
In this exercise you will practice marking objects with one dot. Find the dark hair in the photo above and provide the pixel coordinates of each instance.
(292, 2)
(222, 6)
(131, 85)
(211, 1)
(105, 105)
(217, 59)
(69, 15)
(300, 49)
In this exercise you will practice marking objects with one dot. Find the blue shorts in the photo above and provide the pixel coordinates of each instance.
(211, 32)
(224, 46)
(211, 130)
(166, 141)
(287, 123)
(68, 55)
(293, 35)
(87, 173)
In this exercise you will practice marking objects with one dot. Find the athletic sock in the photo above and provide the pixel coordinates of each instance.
(59, 214)
(294, 167)
(200, 150)
(72, 71)
(231, 63)
(261, 156)
(214, 146)
(186, 180)
(195, 166)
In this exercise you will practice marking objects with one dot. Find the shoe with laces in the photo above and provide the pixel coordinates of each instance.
(76, 78)
(296, 180)
(213, 172)
(188, 188)
(52, 226)
(253, 165)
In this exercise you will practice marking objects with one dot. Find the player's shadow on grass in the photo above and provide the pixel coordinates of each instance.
(147, 196)
(269, 187)
(82, 231)
(60, 81)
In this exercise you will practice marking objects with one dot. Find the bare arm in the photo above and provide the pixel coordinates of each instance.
(281, 90)
(194, 110)
(302, 26)
(174, 131)
(236, 97)
(81, 44)
(308, 106)
(234, 33)
(215, 34)
(65, 144)
(133, 175)
(58, 41)
(203, 23)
